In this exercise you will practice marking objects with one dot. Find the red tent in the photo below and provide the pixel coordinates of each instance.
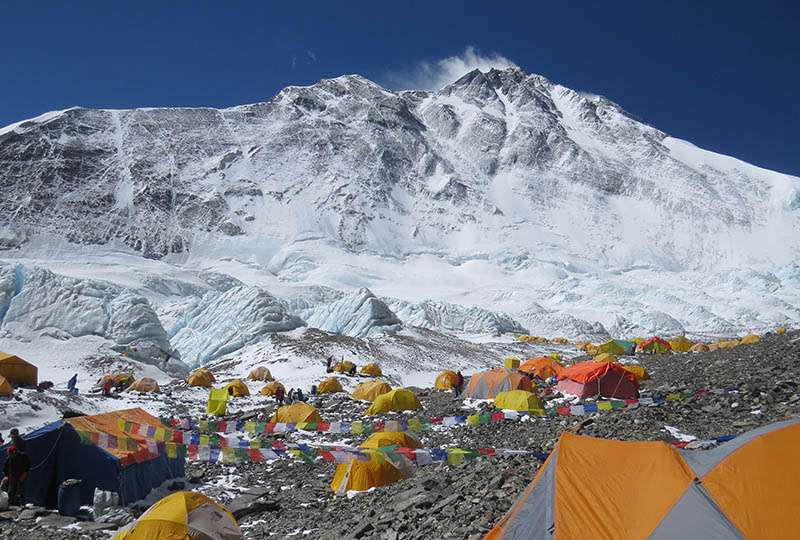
(588, 379)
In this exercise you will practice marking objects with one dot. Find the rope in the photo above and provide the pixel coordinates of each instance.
(50, 453)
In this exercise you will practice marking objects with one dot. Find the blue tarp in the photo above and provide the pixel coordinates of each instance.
(56, 454)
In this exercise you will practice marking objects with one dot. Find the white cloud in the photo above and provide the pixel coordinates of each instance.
(437, 74)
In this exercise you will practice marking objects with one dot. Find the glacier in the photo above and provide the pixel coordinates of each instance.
(360, 314)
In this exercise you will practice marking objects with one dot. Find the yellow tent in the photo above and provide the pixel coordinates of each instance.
(260, 374)
(681, 344)
(605, 358)
(398, 399)
(519, 400)
(611, 347)
(201, 377)
(237, 388)
(560, 341)
(269, 388)
(699, 347)
(330, 385)
(638, 371)
(344, 367)
(217, 401)
(780, 330)
(750, 339)
(370, 390)
(17, 371)
(296, 413)
(372, 370)
(363, 475)
(5, 387)
(145, 385)
(446, 380)
(185, 515)
(728, 344)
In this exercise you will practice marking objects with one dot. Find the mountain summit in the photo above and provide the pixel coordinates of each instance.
(504, 168)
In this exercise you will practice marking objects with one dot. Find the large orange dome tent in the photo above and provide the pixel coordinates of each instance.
(619, 490)
(487, 384)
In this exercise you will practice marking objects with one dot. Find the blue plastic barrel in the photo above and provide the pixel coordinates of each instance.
(69, 498)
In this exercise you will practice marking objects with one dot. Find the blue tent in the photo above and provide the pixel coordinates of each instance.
(57, 454)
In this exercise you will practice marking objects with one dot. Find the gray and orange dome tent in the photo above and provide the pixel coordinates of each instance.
(598, 488)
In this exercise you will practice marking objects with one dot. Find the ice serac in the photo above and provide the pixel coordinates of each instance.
(360, 314)
(541, 322)
(444, 316)
(223, 322)
(69, 307)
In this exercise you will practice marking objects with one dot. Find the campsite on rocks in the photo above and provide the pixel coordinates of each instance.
(347, 272)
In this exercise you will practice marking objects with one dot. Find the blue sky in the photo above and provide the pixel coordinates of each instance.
(722, 74)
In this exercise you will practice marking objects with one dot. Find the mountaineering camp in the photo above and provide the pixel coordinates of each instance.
(548, 419)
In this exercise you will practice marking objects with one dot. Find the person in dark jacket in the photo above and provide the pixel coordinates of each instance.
(328, 367)
(353, 371)
(313, 389)
(279, 395)
(290, 396)
(17, 440)
(298, 395)
(15, 471)
(72, 384)
(459, 383)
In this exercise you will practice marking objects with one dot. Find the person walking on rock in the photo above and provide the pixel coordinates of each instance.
(328, 368)
(15, 471)
(279, 395)
(459, 383)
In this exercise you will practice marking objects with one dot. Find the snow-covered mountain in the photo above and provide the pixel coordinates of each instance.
(501, 193)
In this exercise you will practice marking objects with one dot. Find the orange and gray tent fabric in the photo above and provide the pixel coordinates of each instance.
(587, 379)
(487, 384)
(260, 374)
(145, 385)
(655, 345)
(446, 380)
(543, 367)
(270, 388)
(370, 390)
(185, 515)
(699, 347)
(598, 488)
(363, 475)
(17, 371)
(5, 387)
(202, 377)
(331, 385)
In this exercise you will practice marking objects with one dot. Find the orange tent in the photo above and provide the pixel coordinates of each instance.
(542, 367)
(269, 388)
(5, 387)
(446, 380)
(607, 379)
(487, 384)
(618, 490)
(145, 385)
